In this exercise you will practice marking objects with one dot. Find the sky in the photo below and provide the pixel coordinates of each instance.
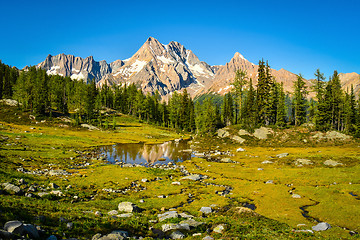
(299, 36)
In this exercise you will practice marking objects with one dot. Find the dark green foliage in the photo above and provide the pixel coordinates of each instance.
(263, 94)
(239, 83)
(249, 110)
(300, 94)
(281, 108)
(228, 110)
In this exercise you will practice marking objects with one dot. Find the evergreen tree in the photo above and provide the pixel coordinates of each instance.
(239, 84)
(227, 109)
(263, 93)
(300, 94)
(281, 108)
(336, 102)
(250, 108)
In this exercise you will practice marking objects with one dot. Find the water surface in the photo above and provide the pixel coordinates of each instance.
(141, 153)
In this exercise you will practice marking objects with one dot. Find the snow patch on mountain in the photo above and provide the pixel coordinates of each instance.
(52, 70)
(79, 76)
(165, 60)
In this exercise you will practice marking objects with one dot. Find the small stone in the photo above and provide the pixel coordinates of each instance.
(194, 177)
(128, 207)
(260, 169)
(295, 196)
(162, 196)
(206, 210)
(208, 238)
(332, 163)
(282, 155)
(125, 215)
(304, 231)
(175, 226)
(219, 228)
(240, 150)
(270, 182)
(226, 160)
(192, 223)
(323, 226)
(70, 225)
(96, 236)
(167, 215)
(98, 214)
(185, 215)
(53, 185)
(176, 183)
(267, 162)
(12, 188)
(144, 180)
(113, 212)
(141, 200)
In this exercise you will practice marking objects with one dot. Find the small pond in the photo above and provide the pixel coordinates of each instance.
(140, 153)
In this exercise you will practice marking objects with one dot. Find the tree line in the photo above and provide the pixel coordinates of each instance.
(249, 106)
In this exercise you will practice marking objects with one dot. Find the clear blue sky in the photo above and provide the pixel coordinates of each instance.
(299, 36)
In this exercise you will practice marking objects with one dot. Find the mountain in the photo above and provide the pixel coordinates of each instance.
(225, 75)
(77, 67)
(165, 68)
(169, 68)
(348, 79)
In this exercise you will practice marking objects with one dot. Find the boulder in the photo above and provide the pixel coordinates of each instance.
(175, 183)
(323, 226)
(238, 139)
(302, 161)
(243, 132)
(175, 226)
(240, 150)
(267, 162)
(31, 231)
(295, 196)
(208, 238)
(206, 210)
(58, 172)
(282, 155)
(226, 160)
(222, 133)
(262, 133)
(15, 227)
(177, 235)
(113, 212)
(12, 188)
(269, 182)
(7, 235)
(114, 235)
(125, 215)
(167, 215)
(52, 237)
(193, 177)
(185, 215)
(128, 207)
(192, 223)
(332, 163)
(53, 185)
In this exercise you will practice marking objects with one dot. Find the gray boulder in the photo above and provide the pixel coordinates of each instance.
(128, 207)
(193, 177)
(31, 231)
(219, 228)
(262, 133)
(113, 212)
(208, 238)
(332, 163)
(222, 133)
(238, 139)
(175, 226)
(192, 223)
(15, 227)
(323, 226)
(282, 155)
(12, 188)
(206, 210)
(114, 235)
(226, 160)
(6, 235)
(167, 215)
(177, 235)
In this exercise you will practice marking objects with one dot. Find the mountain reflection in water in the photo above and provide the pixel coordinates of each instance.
(141, 153)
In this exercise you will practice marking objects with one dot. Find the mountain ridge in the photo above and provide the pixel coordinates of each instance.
(169, 68)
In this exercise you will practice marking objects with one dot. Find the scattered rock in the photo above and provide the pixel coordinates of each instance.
(246, 210)
(206, 210)
(125, 215)
(144, 180)
(304, 231)
(167, 215)
(269, 182)
(208, 238)
(240, 150)
(114, 235)
(128, 207)
(219, 228)
(295, 196)
(185, 215)
(12, 188)
(267, 162)
(90, 127)
(57, 193)
(222, 133)
(262, 133)
(323, 226)
(15, 227)
(175, 226)
(260, 169)
(42, 194)
(53, 185)
(177, 235)
(226, 160)
(113, 212)
(302, 161)
(58, 172)
(141, 201)
(176, 183)
(332, 163)
(98, 214)
(243, 132)
(191, 223)
(193, 177)
(162, 196)
(238, 139)
(282, 155)
(69, 225)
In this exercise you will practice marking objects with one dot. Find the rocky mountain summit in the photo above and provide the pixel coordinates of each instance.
(169, 68)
